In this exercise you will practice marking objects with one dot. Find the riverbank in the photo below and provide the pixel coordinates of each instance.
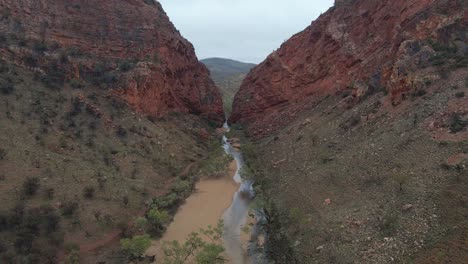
(204, 207)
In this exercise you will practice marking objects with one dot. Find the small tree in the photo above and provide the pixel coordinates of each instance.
(157, 220)
(204, 251)
(136, 246)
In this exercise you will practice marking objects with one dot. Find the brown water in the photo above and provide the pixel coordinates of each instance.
(204, 207)
(227, 198)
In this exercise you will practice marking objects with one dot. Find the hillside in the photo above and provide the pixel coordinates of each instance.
(104, 108)
(133, 50)
(228, 76)
(359, 135)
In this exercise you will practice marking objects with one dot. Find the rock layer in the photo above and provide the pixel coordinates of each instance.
(165, 75)
(355, 48)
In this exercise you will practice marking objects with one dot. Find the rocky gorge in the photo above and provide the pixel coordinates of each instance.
(347, 144)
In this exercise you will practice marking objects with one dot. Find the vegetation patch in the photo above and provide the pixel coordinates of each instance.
(457, 123)
(216, 163)
(203, 247)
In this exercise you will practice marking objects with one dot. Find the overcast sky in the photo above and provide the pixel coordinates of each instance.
(245, 30)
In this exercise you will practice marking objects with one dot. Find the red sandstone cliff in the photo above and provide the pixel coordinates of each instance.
(86, 38)
(355, 48)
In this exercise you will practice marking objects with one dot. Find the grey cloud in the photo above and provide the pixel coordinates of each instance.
(245, 30)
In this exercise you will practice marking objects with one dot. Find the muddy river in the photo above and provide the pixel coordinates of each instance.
(224, 198)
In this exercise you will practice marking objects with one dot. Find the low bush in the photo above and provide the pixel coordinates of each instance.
(125, 200)
(388, 224)
(167, 202)
(203, 251)
(103, 76)
(141, 224)
(89, 192)
(126, 66)
(76, 84)
(54, 74)
(30, 60)
(74, 52)
(180, 186)
(157, 219)
(69, 208)
(30, 186)
(457, 124)
(121, 132)
(40, 47)
(76, 107)
(350, 123)
(135, 247)
(73, 254)
(3, 154)
(51, 220)
(7, 88)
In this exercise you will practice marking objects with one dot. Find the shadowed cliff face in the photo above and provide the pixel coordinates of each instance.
(357, 47)
(147, 62)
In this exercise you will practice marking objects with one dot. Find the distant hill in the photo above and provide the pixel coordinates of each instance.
(228, 75)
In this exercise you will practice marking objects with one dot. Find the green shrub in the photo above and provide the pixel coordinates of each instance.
(125, 200)
(168, 201)
(3, 154)
(49, 193)
(30, 60)
(40, 47)
(7, 88)
(457, 124)
(181, 186)
(55, 74)
(157, 220)
(194, 246)
(30, 186)
(141, 223)
(350, 123)
(51, 220)
(76, 107)
(136, 246)
(69, 208)
(88, 192)
(121, 132)
(401, 179)
(74, 52)
(103, 76)
(75, 83)
(126, 66)
(73, 254)
(388, 224)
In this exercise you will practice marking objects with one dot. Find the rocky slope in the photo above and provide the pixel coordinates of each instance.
(355, 48)
(228, 76)
(359, 135)
(104, 111)
(132, 44)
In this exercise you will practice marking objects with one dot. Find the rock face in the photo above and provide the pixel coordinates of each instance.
(147, 62)
(355, 48)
